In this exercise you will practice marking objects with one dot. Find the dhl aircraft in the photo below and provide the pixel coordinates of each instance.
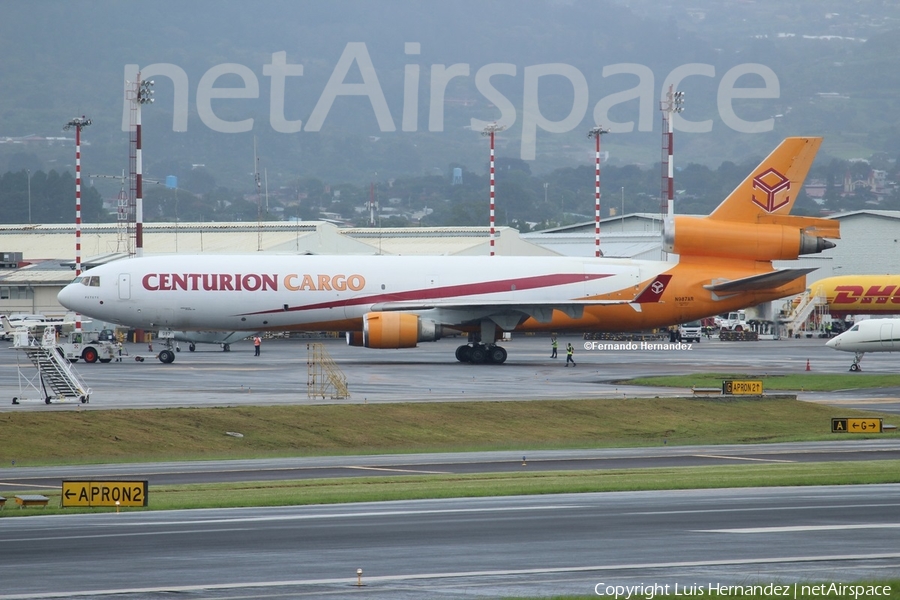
(723, 263)
(872, 335)
(860, 294)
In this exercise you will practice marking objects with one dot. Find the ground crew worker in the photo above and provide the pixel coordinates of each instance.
(570, 351)
(256, 343)
(555, 345)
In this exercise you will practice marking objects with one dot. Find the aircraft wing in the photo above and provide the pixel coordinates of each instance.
(763, 281)
(471, 310)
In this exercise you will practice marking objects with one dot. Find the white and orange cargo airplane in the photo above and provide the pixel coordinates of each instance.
(723, 263)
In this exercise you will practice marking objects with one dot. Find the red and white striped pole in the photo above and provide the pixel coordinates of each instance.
(490, 130)
(138, 189)
(595, 133)
(78, 123)
(144, 95)
(674, 103)
(492, 193)
(670, 191)
(78, 201)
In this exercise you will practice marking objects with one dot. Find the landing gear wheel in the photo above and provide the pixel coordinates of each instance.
(192, 347)
(497, 355)
(166, 356)
(855, 367)
(464, 353)
(226, 348)
(478, 355)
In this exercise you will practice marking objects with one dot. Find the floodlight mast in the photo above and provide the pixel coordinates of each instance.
(140, 94)
(490, 130)
(673, 104)
(595, 133)
(78, 123)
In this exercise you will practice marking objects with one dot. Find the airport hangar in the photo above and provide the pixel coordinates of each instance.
(33, 270)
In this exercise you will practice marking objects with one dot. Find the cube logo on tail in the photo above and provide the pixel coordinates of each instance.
(771, 183)
(654, 291)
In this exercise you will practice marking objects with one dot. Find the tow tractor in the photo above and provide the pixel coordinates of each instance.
(86, 346)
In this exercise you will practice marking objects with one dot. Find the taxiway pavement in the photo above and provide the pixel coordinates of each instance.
(211, 377)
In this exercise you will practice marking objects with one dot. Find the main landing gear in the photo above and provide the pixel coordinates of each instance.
(479, 353)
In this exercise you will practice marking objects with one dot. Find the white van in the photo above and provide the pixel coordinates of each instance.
(692, 331)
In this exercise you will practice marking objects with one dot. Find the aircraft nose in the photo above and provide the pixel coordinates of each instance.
(834, 342)
(72, 296)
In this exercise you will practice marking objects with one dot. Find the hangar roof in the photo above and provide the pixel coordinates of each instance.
(103, 241)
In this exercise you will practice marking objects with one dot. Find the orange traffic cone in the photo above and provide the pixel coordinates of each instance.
(807, 365)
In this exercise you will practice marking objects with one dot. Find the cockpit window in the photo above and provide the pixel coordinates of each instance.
(855, 327)
(93, 281)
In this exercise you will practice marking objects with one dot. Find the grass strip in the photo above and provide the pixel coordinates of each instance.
(525, 482)
(184, 434)
(809, 382)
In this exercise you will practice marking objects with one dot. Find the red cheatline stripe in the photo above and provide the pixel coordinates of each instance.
(454, 291)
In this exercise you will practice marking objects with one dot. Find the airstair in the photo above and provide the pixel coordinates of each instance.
(810, 301)
(55, 378)
(324, 378)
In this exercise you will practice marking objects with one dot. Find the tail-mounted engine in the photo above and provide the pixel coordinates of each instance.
(772, 238)
(394, 330)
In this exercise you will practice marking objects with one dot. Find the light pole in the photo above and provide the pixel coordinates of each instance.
(28, 172)
(78, 123)
(595, 133)
(142, 94)
(490, 130)
(674, 103)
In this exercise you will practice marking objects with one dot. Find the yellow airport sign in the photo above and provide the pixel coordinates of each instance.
(104, 493)
(748, 387)
(856, 425)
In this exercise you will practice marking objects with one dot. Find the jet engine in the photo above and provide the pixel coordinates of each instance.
(394, 330)
(700, 236)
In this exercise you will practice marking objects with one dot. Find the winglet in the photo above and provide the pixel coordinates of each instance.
(7, 326)
(654, 290)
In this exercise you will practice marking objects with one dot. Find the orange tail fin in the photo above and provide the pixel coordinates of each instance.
(773, 186)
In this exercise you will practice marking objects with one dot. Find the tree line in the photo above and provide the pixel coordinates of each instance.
(523, 200)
